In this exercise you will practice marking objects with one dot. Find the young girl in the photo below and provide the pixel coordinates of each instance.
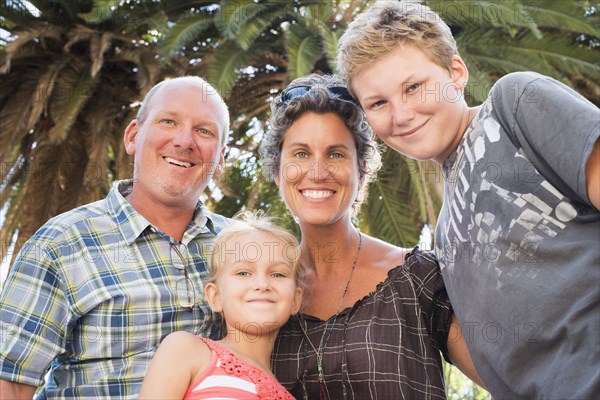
(254, 283)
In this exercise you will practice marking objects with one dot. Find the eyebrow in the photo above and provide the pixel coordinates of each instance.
(331, 147)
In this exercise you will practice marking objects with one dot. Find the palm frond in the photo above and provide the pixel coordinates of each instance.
(147, 64)
(567, 16)
(187, 29)
(74, 88)
(102, 11)
(223, 72)
(557, 53)
(253, 28)
(24, 36)
(99, 44)
(233, 15)
(330, 38)
(390, 217)
(304, 49)
(473, 13)
(43, 91)
(14, 114)
(558, 57)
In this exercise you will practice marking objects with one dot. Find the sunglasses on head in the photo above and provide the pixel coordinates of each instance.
(339, 92)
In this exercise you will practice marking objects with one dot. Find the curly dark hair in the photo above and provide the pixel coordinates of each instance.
(321, 100)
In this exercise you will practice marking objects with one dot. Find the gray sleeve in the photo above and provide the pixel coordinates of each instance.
(553, 123)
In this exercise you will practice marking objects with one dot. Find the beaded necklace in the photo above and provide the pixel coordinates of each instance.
(328, 327)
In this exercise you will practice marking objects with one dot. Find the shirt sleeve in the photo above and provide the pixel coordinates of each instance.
(34, 316)
(551, 121)
(436, 309)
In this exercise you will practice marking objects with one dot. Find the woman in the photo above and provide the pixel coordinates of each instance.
(374, 315)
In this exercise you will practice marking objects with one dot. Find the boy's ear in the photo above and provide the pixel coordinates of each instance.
(130, 135)
(460, 72)
(297, 301)
(213, 297)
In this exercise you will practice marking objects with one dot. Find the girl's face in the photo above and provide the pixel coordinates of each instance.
(318, 175)
(256, 290)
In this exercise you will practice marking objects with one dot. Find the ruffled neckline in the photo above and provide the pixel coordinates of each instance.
(391, 275)
(267, 386)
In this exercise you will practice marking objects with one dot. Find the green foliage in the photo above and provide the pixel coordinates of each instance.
(304, 49)
(459, 387)
(185, 31)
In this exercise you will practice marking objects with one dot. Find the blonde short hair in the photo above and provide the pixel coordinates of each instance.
(248, 223)
(387, 25)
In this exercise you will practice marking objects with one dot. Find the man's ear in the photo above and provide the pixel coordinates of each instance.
(219, 169)
(213, 297)
(297, 301)
(130, 135)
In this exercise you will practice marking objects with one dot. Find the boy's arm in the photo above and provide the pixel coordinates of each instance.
(459, 354)
(592, 175)
(177, 362)
(13, 390)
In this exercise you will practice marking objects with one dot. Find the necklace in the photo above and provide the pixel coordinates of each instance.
(328, 327)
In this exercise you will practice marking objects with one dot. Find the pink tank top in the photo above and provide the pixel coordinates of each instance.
(228, 377)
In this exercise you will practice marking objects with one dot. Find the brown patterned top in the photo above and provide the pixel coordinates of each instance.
(384, 347)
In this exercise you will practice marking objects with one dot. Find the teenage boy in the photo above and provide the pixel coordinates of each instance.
(519, 231)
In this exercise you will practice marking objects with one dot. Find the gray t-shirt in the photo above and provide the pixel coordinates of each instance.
(520, 260)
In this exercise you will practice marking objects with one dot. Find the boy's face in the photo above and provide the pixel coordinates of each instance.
(414, 105)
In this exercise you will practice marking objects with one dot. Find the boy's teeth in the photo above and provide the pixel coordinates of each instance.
(180, 163)
(317, 194)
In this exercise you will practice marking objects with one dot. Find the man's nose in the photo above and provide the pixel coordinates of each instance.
(184, 138)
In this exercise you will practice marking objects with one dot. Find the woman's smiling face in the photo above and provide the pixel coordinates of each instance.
(318, 175)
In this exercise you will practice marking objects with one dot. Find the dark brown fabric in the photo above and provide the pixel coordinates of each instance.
(385, 347)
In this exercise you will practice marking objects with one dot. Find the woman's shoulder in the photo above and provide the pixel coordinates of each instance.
(384, 255)
(423, 268)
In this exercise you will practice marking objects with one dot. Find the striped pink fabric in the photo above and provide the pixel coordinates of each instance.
(228, 377)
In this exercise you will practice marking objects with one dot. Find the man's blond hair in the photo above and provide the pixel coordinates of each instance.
(387, 25)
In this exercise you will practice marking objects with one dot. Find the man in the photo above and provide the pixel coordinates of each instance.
(518, 233)
(94, 291)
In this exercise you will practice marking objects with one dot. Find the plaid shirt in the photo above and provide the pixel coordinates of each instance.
(92, 294)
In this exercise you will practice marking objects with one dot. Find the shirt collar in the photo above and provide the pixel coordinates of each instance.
(132, 224)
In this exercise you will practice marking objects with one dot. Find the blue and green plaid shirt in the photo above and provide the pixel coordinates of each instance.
(92, 294)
